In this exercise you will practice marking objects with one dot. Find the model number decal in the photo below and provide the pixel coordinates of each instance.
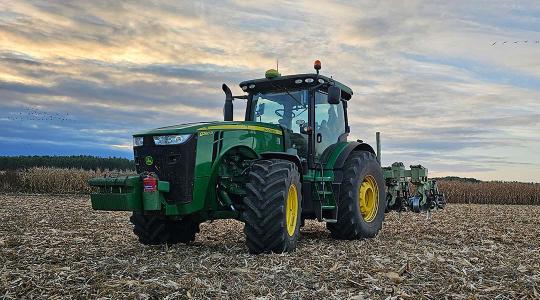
(203, 133)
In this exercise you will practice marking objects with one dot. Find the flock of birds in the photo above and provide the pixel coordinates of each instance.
(516, 42)
(35, 114)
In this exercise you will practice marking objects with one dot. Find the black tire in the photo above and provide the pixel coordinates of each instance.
(265, 211)
(351, 225)
(158, 230)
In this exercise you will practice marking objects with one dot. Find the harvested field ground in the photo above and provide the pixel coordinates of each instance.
(56, 246)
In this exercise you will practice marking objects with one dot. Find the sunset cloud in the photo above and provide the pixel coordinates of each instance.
(437, 79)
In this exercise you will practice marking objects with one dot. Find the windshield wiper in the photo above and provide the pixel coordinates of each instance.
(287, 91)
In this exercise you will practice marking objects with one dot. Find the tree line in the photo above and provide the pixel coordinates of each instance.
(85, 162)
(457, 178)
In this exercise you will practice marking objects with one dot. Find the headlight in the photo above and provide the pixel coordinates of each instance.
(171, 139)
(138, 140)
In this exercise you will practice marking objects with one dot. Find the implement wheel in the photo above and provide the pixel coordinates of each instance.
(362, 198)
(157, 230)
(273, 207)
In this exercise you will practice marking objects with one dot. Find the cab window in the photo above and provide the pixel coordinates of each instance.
(329, 122)
(281, 108)
(288, 110)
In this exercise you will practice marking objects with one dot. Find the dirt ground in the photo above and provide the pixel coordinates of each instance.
(57, 247)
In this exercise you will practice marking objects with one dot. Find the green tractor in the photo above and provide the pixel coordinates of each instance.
(287, 162)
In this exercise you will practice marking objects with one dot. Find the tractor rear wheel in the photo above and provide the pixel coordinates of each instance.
(158, 230)
(273, 207)
(362, 198)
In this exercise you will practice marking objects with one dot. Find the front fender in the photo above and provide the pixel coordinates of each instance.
(286, 156)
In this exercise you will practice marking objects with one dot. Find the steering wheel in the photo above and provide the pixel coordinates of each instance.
(281, 111)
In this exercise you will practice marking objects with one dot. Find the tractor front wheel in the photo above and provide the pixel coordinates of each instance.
(273, 207)
(158, 230)
(362, 198)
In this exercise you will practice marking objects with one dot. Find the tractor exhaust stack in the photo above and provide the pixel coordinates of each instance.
(228, 107)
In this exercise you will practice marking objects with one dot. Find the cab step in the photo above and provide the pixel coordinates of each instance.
(329, 213)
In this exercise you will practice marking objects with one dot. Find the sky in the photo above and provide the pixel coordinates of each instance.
(451, 85)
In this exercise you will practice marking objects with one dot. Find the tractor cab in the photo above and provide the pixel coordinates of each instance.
(311, 108)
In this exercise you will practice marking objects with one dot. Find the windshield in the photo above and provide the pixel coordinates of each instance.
(288, 109)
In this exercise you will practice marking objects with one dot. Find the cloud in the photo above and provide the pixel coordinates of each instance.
(424, 73)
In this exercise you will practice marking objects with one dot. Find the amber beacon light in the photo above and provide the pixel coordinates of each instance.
(317, 65)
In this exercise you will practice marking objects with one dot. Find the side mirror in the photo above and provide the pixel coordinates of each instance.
(334, 95)
(260, 110)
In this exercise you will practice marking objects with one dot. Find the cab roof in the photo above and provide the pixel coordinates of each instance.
(289, 82)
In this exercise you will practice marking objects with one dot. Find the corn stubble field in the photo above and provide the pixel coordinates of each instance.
(54, 246)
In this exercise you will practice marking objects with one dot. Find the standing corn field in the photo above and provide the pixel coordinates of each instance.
(74, 181)
(491, 192)
(49, 180)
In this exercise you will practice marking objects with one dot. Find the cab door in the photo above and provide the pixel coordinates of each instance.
(329, 123)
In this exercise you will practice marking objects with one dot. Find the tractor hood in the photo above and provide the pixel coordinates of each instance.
(216, 125)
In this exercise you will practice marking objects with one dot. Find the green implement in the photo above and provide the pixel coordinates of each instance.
(400, 183)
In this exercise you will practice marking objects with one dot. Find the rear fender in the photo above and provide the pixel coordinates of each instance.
(335, 159)
(347, 150)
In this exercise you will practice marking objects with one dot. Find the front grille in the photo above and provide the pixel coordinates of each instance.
(172, 163)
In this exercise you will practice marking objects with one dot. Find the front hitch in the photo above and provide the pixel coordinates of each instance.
(128, 193)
